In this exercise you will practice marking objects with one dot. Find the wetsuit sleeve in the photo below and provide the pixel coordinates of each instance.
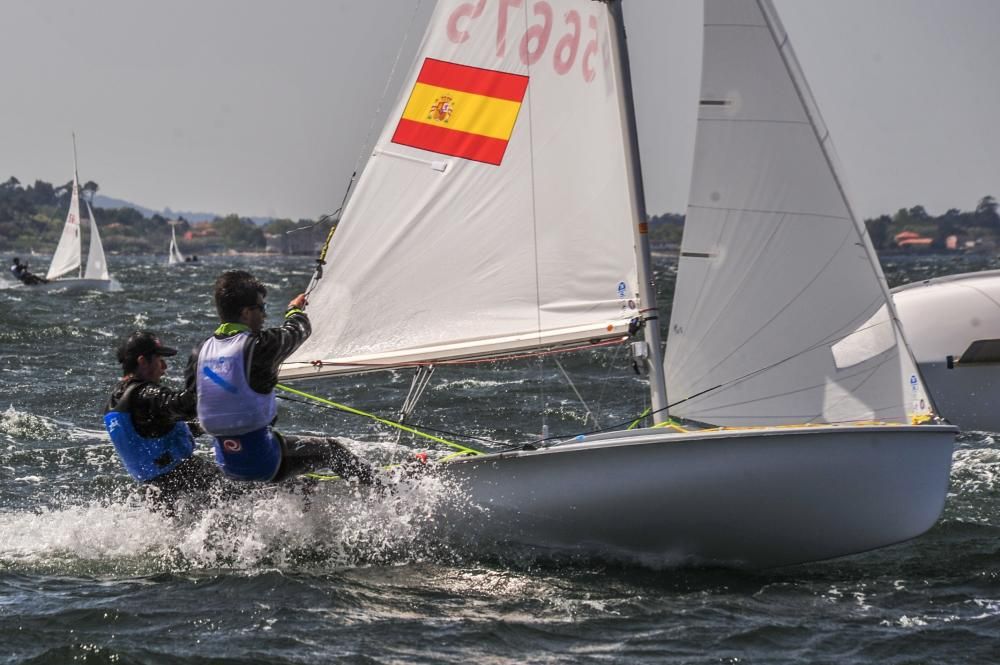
(191, 386)
(165, 403)
(155, 409)
(191, 371)
(272, 346)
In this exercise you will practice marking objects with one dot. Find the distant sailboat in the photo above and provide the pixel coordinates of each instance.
(174, 254)
(68, 254)
(502, 212)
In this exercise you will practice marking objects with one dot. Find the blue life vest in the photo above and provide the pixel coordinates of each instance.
(227, 405)
(252, 456)
(146, 458)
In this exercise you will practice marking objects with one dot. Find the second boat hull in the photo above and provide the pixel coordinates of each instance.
(75, 284)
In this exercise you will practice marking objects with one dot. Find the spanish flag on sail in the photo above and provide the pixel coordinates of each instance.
(461, 111)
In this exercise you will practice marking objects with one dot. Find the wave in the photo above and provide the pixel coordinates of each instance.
(302, 526)
(23, 425)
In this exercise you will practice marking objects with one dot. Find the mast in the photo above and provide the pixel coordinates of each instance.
(76, 179)
(647, 288)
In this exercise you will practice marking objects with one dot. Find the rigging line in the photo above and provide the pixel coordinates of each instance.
(421, 379)
(589, 414)
(385, 90)
(417, 387)
(534, 237)
(607, 379)
(364, 151)
(384, 421)
(501, 446)
(461, 450)
(319, 221)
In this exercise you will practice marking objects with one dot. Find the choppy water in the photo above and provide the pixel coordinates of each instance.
(89, 574)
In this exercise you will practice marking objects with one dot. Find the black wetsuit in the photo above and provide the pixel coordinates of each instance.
(264, 355)
(21, 272)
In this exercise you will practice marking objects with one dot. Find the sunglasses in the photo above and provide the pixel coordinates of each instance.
(261, 306)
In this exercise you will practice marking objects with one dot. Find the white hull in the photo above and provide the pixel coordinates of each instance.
(943, 317)
(78, 285)
(750, 498)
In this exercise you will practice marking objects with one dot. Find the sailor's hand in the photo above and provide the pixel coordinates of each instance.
(298, 302)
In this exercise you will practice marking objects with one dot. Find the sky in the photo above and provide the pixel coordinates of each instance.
(265, 108)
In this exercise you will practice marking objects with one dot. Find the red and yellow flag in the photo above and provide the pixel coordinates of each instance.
(461, 111)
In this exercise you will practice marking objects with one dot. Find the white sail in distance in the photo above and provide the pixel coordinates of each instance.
(175, 255)
(67, 255)
(97, 265)
(493, 214)
(769, 234)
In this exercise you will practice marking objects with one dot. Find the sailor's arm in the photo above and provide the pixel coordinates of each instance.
(274, 345)
(163, 403)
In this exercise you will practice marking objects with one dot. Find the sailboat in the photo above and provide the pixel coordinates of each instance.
(68, 254)
(953, 326)
(502, 212)
(174, 255)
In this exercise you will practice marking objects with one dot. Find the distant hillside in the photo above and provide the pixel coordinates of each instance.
(102, 201)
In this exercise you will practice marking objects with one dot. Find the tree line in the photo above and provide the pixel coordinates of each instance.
(32, 217)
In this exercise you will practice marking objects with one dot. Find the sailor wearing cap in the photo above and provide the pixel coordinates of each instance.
(147, 421)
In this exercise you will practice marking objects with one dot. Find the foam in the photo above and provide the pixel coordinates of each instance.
(335, 524)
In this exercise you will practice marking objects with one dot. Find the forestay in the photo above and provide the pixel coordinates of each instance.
(493, 214)
(781, 312)
(67, 256)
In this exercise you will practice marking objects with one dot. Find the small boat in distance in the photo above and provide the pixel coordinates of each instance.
(174, 255)
(68, 255)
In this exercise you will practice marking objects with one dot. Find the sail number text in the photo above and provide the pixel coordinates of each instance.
(533, 43)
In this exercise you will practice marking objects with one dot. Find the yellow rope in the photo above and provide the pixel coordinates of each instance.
(343, 407)
(635, 423)
(672, 425)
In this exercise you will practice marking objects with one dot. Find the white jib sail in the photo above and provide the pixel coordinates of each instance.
(175, 254)
(780, 313)
(67, 256)
(493, 214)
(97, 265)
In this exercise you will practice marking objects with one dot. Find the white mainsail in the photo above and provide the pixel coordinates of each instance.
(781, 312)
(67, 256)
(97, 265)
(493, 215)
(175, 255)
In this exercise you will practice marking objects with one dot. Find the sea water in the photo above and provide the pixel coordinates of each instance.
(89, 573)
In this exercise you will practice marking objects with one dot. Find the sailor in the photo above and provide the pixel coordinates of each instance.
(147, 424)
(236, 371)
(20, 272)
